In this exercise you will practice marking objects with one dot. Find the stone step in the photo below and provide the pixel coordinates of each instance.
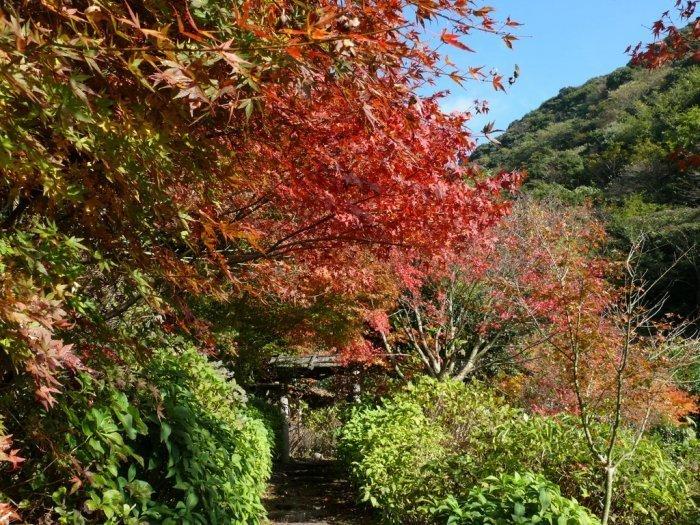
(312, 493)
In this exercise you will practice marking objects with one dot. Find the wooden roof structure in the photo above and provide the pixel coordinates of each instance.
(306, 362)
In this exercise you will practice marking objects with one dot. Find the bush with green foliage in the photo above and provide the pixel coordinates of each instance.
(513, 499)
(100, 439)
(391, 451)
(215, 456)
(271, 416)
(441, 439)
(172, 441)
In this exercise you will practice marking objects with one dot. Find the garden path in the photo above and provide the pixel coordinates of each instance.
(312, 493)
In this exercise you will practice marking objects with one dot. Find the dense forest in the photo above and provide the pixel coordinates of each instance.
(628, 142)
(235, 231)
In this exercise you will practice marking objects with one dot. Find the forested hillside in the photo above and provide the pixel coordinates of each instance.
(628, 141)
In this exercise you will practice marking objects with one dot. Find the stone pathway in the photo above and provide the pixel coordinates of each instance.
(312, 493)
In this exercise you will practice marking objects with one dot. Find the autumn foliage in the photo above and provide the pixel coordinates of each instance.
(229, 148)
(671, 42)
(167, 166)
(156, 155)
(595, 343)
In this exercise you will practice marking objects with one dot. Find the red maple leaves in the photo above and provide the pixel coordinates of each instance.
(8, 454)
(34, 323)
(588, 338)
(273, 151)
(453, 40)
(671, 42)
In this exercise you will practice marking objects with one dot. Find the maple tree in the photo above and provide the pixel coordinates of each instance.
(451, 324)
(475, 309)
(452, 318)
(202, 153)
(602, 352)
(574, 300)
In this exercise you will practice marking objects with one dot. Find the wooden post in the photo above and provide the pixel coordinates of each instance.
(356, 389)
(284, 405)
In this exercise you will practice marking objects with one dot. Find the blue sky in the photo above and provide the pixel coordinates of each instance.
(564, 43)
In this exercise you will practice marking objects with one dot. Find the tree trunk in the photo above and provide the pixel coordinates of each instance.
(609, 479)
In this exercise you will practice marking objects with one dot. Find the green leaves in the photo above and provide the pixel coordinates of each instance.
(545, 499)
(165, 431)
(523, 499)
(459, 452)
(202, 457)
(213, 456)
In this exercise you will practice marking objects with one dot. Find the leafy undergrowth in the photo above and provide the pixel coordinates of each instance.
(517, 499)
(178, 444)
(434, 449)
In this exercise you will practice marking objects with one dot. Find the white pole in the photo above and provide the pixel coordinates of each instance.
(284, 405)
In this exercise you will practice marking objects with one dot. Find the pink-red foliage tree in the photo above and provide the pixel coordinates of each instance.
(601, 351)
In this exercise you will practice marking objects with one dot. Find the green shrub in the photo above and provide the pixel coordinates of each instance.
(101, 429)
(390, 451)
(650, 486)
(215, 456)
(438, 439)
(172, 441)
(272, 417)
(514, 499)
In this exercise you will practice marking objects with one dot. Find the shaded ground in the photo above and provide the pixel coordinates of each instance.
(312, 493)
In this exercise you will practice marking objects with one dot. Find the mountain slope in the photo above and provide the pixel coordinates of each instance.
(618, 133)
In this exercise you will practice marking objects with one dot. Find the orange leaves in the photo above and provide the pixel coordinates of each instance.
(657, 28)
(676, 403)
(456, 78)
(8, 454)
(185, 32)
(476, 73)
(299, 134)
(319, 24)
(354, 170)
(453, 40)
(483, 11)
(497, 83)
(294, 52)
(580, 316)
(512, 23)
(509, 39)
(8, 514)
(488, 128)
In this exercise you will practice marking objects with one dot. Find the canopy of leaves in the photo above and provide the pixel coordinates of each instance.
(158, 158)
(220, 148)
